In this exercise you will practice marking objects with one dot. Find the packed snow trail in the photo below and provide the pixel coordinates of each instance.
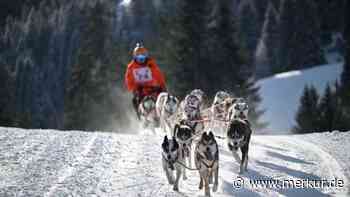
(73, 163)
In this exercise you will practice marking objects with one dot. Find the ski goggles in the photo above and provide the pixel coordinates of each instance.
(140, 58)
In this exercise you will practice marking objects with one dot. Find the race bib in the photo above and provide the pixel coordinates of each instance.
(142, 75)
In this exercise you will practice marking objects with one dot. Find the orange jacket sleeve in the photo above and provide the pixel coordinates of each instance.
(157, 74)
(129, 79)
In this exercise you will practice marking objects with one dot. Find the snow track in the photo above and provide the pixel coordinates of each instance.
(54, 163)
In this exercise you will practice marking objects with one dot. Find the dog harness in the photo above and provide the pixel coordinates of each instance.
(203, 159)
(170, 162)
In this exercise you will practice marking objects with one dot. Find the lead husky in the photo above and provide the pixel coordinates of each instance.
(166, 106)
(171, 155)
(183, 134)
(207, 161)
(238, 137)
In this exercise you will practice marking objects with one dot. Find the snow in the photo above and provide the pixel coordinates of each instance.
(281, 94)
(125, 3)
(75, 163)
(337, 143)
(288, 74)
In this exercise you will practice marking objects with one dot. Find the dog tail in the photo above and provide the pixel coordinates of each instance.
(176, 128)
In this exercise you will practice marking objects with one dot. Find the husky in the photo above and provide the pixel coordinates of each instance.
(183, 134)
(147, 112)
(238, 137)
(207, 161)
(238, 110)
(219, 109)
(166, 107)
(171, 155)
(199, 94)
(190, 109)
(193, 100)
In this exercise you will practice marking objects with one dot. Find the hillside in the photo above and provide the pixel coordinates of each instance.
(281, 93)
(75, 163)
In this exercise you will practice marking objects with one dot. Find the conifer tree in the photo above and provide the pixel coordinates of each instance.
(328, 110)
(228, 54)
(345, 78)
(190, 47)
(300, 35)
(235, 71)
(307, 117)
(269, 54)
(90, 80)
(249, 30)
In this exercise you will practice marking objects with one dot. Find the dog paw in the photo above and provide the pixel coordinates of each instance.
(171, 181)
(210, 180)
(207, 194)
(176, 188)
(215, 187)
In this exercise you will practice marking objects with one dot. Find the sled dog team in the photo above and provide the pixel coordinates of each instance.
(227, 114)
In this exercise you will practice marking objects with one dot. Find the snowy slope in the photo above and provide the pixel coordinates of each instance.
(281, 93)
(54, 163)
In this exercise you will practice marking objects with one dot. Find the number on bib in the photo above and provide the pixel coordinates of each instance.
(142, 75)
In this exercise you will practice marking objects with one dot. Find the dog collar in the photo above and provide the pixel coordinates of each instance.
(170, 162)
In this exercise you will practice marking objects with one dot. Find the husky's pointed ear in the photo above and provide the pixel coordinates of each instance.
(204, 135)
(211, 135)
(234, 100)
(165, 139)
(165, 143)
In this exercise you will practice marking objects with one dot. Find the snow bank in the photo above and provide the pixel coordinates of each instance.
(335, 143)
(281, 93)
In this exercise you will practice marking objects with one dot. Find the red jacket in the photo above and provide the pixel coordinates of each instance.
(144, 76)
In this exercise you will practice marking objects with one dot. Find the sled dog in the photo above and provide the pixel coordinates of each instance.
(238, 110)
(207, 161)
(191, 110)
(183, 134)
(238, 137)
(171, 155)
(219, 110)
(147, 112)
(166, 106)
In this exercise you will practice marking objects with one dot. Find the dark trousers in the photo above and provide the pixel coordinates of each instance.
(135, 103)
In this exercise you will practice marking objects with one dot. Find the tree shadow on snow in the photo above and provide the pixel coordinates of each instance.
(289, 171)
(254, 175)
(270, 147)
(288, 158)
(229, 189)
